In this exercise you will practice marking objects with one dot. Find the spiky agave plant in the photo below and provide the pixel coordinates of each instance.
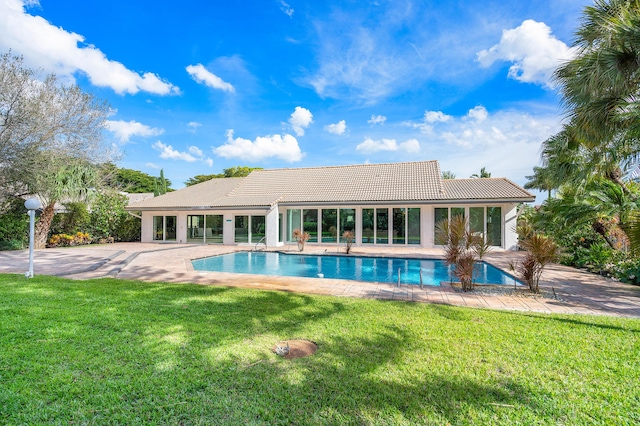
(541, 250)
(301, 238)
(461, 248)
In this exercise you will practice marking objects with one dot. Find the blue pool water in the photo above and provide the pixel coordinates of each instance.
(372, 269)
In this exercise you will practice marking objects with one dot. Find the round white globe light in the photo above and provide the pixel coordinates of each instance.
(32, 204)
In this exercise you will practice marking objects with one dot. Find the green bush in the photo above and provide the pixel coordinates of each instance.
(76, 219)
(14, 226)
(129, 229)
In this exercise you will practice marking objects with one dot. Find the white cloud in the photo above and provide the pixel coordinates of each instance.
(152, 166)
(436, 116)
(65, 53)
(194, 153)
(338, 128)
(200, 74)
(284, 147)
(377, 119)
(124, 130)
(193, 126)
(532, 49)
(478, 113)
(370, 146)
(168, 153)
(286, 9)
(300, 119)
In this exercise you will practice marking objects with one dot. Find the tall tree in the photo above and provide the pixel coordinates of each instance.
(50, 138)
(39, 115)
(600, 86)
(129, 180)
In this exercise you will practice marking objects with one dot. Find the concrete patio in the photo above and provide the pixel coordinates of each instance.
(578, 292)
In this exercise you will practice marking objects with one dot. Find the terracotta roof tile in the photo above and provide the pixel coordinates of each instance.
(391, 182)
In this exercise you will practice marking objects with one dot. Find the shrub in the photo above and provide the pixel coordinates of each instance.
(14, 226)
(301, 238)
(348, 238)
(66, 240)
(461, 248)
(75, 219)
(541, 250)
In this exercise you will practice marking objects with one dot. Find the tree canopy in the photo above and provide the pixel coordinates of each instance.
(51, 138)
(132, 181)
(236, 171)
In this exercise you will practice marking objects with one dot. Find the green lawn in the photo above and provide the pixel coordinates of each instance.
(112, 351)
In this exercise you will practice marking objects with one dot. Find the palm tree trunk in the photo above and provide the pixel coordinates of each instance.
(43, 226)
(602, 230)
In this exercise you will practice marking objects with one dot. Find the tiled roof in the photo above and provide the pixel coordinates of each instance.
(391, 182)
(484, 189)
(204, 194)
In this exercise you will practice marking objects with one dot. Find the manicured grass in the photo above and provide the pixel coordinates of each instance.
(111, 351)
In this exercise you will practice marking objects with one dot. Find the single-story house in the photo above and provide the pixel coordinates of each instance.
(382, 204)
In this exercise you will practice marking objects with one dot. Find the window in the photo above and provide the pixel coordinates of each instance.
(310, 224)
(382, 226)
(486, 221)
(213, 229)
(367, 226)
(440, 215)
(195, 228)
(457, 211)
(494, 226)
(165, 228)
(399, 219)
(347, 222)
(294, 219)
(250, 229)
(258, 229)
(413, 226)
(329, 225)
(241, 229)
(476, 220)
(158, 228)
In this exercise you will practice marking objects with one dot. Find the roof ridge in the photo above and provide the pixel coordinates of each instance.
(348, 165)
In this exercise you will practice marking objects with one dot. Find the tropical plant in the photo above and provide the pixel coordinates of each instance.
(74, 219)
(461, 247)
(161, 186)
(14, 225)
(446, 174)
(108, 214)
(348, 238)
(483, 173)
(540, 251)
(60, 178)
(301, 238)
(129, 180)
(236, 171)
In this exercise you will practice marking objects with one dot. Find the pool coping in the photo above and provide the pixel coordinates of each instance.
(190, 267)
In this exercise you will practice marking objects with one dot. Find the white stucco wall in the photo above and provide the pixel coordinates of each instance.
(509, 223)
(509, 213)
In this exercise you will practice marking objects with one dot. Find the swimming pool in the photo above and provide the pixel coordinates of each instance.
(371, 269)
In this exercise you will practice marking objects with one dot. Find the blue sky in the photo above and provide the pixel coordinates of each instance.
(200, 86)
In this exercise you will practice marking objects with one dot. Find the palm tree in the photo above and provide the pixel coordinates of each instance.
(60, 178)
(600, 86)
(448, 175)
(483, 174)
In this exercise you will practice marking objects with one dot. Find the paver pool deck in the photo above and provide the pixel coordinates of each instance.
(578, 292)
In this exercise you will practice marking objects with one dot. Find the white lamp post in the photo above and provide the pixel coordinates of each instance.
(32, 204)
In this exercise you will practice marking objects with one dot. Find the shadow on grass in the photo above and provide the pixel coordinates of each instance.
(580, 320)
(366, 380)
(125, 352)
